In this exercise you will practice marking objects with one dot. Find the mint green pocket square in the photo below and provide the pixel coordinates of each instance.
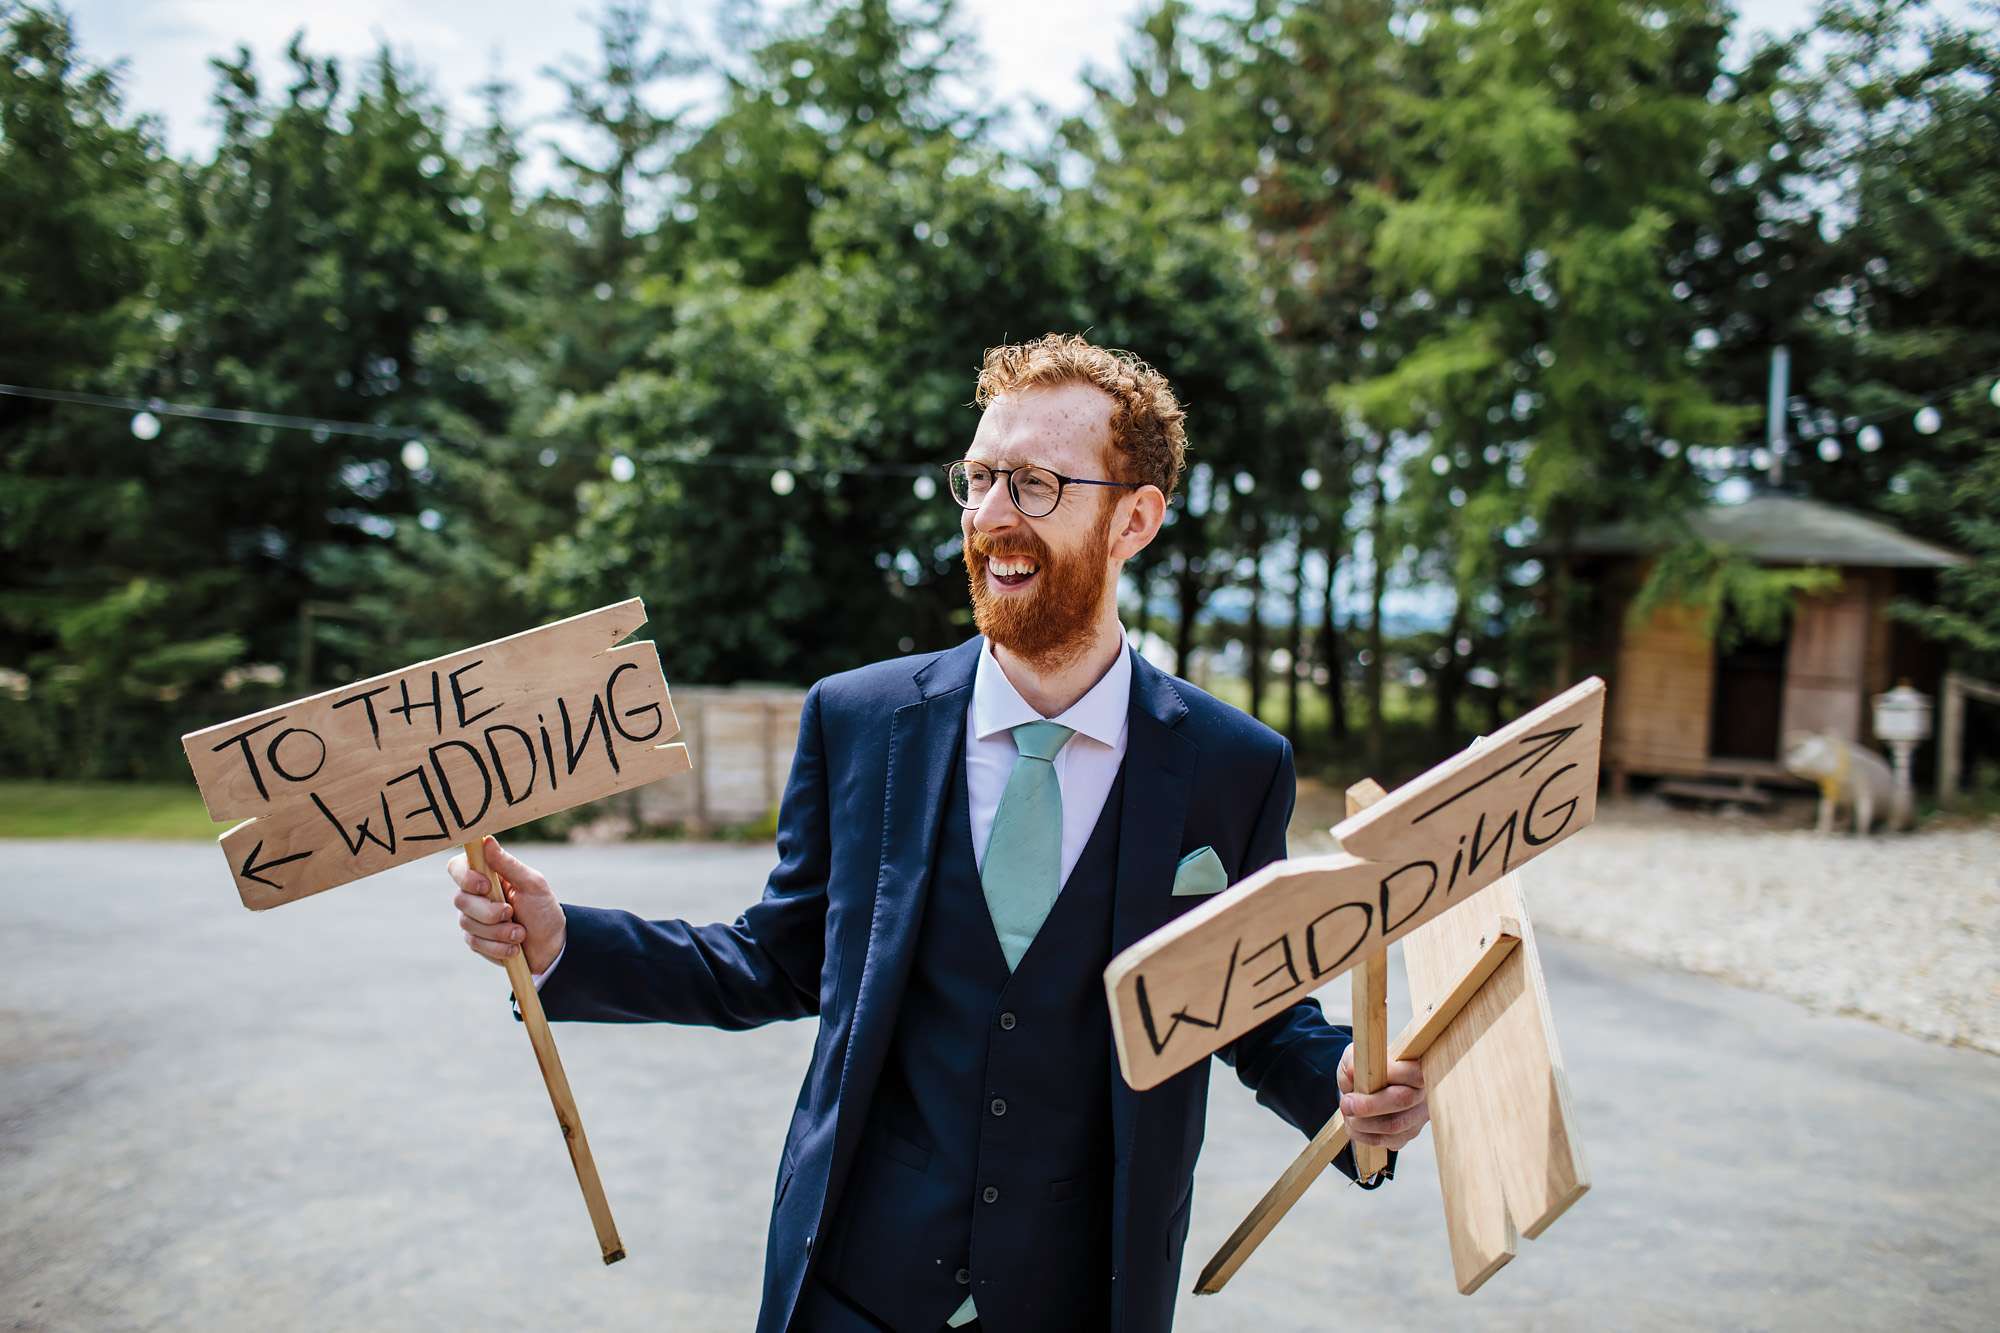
(1200, 872)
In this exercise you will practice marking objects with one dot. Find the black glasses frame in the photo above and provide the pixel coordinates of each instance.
(951, 470)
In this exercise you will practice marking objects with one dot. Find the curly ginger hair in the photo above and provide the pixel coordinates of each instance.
(1148, 424)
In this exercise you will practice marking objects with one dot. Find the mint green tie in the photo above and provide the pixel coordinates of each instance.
(1023, 871)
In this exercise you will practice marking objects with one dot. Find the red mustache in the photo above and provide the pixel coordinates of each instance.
(987, 549)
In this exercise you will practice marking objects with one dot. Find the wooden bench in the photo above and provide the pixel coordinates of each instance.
(1721, 793)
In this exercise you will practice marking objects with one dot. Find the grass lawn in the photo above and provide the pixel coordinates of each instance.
(30, 809)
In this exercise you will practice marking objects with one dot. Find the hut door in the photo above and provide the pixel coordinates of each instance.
(1749, 691)
(1823, 680)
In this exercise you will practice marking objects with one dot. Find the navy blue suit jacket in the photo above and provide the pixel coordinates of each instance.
(833, 934)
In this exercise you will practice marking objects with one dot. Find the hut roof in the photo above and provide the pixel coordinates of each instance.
(1783, 530)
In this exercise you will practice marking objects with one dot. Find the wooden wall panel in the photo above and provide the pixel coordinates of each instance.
(1825, 673)
(1661, 695)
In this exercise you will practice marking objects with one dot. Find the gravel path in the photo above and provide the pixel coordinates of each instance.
(1901, 929)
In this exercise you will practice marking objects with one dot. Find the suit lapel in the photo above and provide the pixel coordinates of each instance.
(1159, 778)
(924, 740)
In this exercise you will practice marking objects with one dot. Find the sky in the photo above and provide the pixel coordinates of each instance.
(1034, 49)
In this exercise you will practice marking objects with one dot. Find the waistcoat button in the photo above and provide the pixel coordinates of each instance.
(991, 1194)
(999, 1106)
(964, 1276)
(1007, 1022)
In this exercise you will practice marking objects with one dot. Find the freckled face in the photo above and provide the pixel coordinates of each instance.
(1038, 584)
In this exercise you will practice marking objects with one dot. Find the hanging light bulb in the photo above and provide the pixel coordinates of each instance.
(1310, 479)
(1870, 439)
(1993, 394)
(924, 487)
(782, 482)
(1829, 449)
(622, 468)
(1245, 483)
(1928, 420)
(1440, 464)
(415, 457)
(145, 425)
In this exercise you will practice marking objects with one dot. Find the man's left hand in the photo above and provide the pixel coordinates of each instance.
(1391, 1116)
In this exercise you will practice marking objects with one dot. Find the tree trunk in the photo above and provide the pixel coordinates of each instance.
(1142, 578)
(1378, 562)
(1331, 655)
(1254, 664)
(1295, 645)
(1187, 594)
(1444, 724)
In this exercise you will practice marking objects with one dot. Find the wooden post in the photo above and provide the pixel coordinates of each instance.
(1950, 736)
(1370, 989)
(544, 1043)
(1410, 1044)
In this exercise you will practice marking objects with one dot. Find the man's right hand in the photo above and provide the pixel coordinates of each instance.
(531, 919)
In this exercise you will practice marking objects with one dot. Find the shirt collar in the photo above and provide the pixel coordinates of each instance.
(1101, 714)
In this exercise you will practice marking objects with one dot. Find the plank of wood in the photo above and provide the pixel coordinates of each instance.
(1429, 1024)
(1370, 994)
(1271, 1209)
(1508, 1163)
(1317, 1155)
(560, 1097)
(1217, 971)
(357, 779)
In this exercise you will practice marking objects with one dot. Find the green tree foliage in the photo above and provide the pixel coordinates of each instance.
(1911, 102)
(1485, 274)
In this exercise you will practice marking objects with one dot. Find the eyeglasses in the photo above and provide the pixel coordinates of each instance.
(1035, 490)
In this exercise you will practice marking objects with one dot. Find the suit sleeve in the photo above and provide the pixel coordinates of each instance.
(765, 966)
(1292, 1060)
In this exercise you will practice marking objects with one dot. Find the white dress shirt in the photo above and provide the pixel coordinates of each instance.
(1085, 767)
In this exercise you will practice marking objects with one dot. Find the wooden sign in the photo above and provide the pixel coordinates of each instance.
(1499, 1099)
(1216, 972)
(361, 778)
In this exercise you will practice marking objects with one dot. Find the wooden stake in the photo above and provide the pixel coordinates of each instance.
(544, 1043)
(1410, 1044)
(1370, 983)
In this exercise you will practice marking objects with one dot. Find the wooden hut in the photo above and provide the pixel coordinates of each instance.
(1713, 719)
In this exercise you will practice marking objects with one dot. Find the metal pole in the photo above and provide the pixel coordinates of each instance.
(1774, 411)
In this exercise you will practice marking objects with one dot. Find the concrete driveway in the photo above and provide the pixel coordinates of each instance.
(322, 1117)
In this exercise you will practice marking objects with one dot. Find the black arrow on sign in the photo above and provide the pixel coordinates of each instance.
(252, 870)
(1551, 742)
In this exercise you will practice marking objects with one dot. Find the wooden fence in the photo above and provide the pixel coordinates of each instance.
(741, 741)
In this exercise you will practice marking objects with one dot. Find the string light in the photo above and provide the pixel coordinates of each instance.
(1928, 420)
(148, 411)
(925, 487)
(415, 456)
(782, 482)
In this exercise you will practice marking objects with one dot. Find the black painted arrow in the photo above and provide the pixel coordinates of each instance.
(252, 870)
(1551, 742)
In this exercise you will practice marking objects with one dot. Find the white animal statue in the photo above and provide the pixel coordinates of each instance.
(1847, 774)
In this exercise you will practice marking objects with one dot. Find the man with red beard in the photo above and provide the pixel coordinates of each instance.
(966, 839)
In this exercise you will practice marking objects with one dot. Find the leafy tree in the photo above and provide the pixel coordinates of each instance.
(1914, 101)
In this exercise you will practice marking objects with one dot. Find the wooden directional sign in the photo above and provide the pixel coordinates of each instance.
(373, 774)
(1218, 971)
(370, 775)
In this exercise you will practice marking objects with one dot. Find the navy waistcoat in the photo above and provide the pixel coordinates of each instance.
(985, 1164)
